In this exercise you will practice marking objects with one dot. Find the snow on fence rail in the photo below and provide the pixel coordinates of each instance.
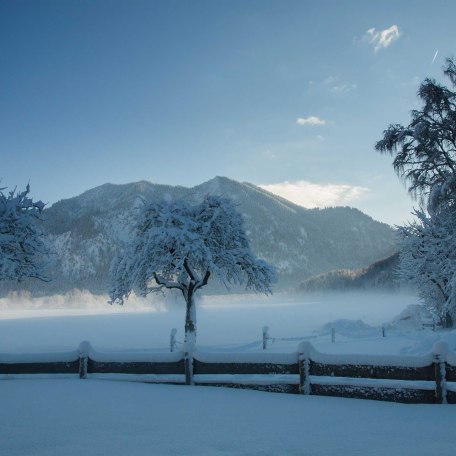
(412, 379)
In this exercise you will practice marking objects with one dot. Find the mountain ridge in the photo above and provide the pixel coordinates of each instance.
(380, 275)
(87, 230)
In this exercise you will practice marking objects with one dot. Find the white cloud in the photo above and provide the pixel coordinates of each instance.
(381, 39)
(335, 85)
(311, 120)
(308, 194)
(343, 88)
(331, 80)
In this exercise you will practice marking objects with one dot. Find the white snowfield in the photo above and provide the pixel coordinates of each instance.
(225, 324)
(98, 418)
(66, 416)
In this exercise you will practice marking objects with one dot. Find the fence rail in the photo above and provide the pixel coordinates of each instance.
(420, 379)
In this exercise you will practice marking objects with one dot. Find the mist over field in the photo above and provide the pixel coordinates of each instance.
(223, 322)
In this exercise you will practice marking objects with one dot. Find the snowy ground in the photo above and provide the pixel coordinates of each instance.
(224, 324)
(94, 417)
(75, 417)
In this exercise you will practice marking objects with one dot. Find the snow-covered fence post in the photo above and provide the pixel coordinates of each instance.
(265, 337)
(304, 352)
(333, 335)
(172, 342)
(440, 350)
(188, 365)
(83, 358)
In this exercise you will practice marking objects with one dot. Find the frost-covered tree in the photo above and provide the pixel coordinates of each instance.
(22, 247)
(425, 150)
(180, 246)
(425, 158)
(428, 261)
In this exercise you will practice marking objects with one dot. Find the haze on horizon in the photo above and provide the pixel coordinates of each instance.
(290, 96)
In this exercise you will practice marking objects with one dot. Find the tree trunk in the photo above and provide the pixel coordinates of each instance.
(447, 320)
(190, 321)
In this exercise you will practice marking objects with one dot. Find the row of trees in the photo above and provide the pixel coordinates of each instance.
(425, 158)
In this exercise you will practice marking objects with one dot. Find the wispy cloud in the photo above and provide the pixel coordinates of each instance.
(308, 194)
(311, 120)
(343, 88)
(333, 84)
(381, 39)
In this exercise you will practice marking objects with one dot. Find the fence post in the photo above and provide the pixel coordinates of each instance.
(383, 331)
(84, 348)
(265, 337)
(172, 342)
(440, 350)
(188, 365)
(304, 351)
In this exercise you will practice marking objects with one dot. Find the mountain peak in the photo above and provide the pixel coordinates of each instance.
(86, 231)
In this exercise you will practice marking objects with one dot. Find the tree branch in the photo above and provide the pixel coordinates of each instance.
(167, 283)
(193, 277)
(203, 282)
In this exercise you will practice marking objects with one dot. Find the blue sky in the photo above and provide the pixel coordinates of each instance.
(291, 95)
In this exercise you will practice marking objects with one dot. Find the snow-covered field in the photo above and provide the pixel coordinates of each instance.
(96, 417)
(224, 323)
(75, 417)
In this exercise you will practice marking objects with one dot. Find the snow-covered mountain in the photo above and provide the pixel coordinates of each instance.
(86, 231)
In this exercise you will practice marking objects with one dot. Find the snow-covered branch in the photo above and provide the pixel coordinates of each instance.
(180, 245)
(425, 158)
(22, 246)
(425, 150)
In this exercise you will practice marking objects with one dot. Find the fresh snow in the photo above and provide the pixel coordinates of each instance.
(95, 417)
(119, 415)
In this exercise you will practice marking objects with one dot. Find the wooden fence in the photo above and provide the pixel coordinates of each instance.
(420, 379)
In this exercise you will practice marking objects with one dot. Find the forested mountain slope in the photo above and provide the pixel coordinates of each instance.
(86, 231)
